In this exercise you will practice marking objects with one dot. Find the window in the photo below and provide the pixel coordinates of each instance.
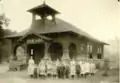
(90, 56)
(88, 48)
(99, 53)
(98, 50)
(91, 48)
(99, 56)
(49, 17)
(82, 47)
(31, 52)
(37, 17)
(89, 51)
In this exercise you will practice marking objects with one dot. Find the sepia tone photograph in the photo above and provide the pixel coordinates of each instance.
(59, 41)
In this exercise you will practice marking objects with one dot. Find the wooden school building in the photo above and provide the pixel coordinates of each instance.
(51, 37)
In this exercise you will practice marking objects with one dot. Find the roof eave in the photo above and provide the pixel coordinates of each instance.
(41, 6)
(92, 40)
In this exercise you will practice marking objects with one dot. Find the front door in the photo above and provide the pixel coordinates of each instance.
(37, 51)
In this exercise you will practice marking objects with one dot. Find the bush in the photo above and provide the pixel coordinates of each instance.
(97, 65)
(106, 67)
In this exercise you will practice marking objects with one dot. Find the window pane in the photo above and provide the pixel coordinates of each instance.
(38, 17)
(100, 51)
(87, 48)
(91, 49)
(90, 56)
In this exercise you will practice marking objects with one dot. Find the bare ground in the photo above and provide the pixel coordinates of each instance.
(21, 77)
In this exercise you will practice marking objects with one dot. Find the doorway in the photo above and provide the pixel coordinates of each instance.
(37, 51)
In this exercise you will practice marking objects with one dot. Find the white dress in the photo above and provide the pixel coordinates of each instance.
(82, 68)
(80, 62)
(54, 69)
(57, 63)
(42, 68)
(87, 67)
(72, 68)
(31, 67)
(92, 68)
(49, 67)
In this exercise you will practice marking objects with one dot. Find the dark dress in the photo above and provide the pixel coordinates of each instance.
(62, 68)
(67, 71)
(58, 71)
(78, 69)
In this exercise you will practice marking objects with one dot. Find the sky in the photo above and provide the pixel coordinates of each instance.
(100, 18)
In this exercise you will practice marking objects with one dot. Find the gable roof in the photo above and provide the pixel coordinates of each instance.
(61, 26)
(33, 34)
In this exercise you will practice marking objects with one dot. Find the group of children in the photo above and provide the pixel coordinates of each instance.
(61, 68)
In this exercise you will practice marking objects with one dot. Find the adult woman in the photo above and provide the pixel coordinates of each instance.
(83, 69)
(31, 67)
(92, 68)
(72, 68)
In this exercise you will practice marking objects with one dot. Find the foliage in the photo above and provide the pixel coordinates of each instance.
(1, 30)
(106, 64)
(9, 32)
(106, 67)
(4, 52)
(1, 35)
(5, 21)
(97, 65)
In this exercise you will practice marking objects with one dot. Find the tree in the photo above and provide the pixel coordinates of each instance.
(1, 30)
(1, 35)
(9, 32)
(3, 21)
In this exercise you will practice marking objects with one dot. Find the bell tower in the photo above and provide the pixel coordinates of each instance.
(43, 11)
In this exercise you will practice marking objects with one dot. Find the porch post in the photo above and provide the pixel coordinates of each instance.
(46, 55)
(12, 52)
(65, 52)
(26, 53)
(88, 51)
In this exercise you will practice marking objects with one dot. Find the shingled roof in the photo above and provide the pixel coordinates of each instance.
(61, 26)
(43, 9)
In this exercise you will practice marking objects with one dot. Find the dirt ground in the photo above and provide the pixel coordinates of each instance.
(21, 77)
